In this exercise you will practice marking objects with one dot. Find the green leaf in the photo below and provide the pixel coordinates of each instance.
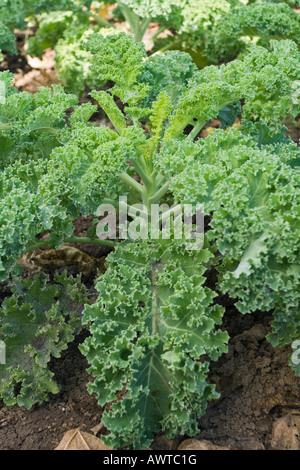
(152, 323)
(37, 322)
(115, 115)
(119, 58)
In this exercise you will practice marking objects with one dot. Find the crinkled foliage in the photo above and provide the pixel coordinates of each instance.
(254, 198)
(155, 326)
(150, 328)
(36, 324)
(260, 22)
(15, 14)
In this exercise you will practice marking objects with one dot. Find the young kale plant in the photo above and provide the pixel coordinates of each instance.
(17, 15)
(156, 325)
(154, 319)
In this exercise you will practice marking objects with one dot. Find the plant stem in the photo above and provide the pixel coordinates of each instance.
(160, 193)
(193, 134)
(169, 46)
(131, 182)
(132, 19)
(154, 302)
(49, 130)
(176, 210)
(99, 19)
(144, 26)
(93, 241)
(5, 127)
(140, 170)
(155, 36)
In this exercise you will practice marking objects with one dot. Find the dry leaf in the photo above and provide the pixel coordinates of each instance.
(51, 259)
(47, 61)
(195, 444)
(96, 429)
(160, 443)
(79, 440)
(286, 431)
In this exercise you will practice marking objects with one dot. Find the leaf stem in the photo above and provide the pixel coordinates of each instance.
(144, 26)
(168, 46)
(160, 193)
(131, 182)
(99, 19)
(155, 36)
(193, 134)
(140, 170)
(5, 127)
(176, 210)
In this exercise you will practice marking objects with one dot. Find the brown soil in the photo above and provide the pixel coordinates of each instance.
(256, 384)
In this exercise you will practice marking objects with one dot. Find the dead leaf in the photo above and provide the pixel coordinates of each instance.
(47, 61)
(286, 432)
(50, 259)
(27, 262)
(195, 444)
(160, 443)
(79, 440)
(96, 429)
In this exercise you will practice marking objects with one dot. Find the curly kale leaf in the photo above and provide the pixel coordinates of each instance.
(36, 324)
(167, 73)
(240, 26)
(252, 196)
(119, 58)
(198, 16)
(264, 79)
(52, 27)
(24, 214)
(65, 32)
(7, 40)
(31, 125)
(73, 62)
(259, 239)
(152, 8)
(152, 323)
(94, 156)
(14, 13)
(201, 166)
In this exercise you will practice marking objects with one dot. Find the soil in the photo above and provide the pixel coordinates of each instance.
(256, 386)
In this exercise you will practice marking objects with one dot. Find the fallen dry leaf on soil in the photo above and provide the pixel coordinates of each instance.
(79, 440)
(97, 428)
(286, 432)
(51, 259)
(195, 444)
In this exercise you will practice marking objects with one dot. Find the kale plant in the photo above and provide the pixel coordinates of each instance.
(155, 324)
